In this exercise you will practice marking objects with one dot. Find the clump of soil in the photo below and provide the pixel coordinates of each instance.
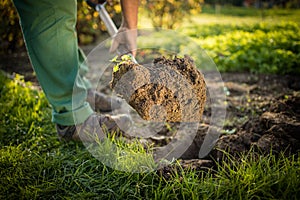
(263, 117)
(170, 90)
(276, 130)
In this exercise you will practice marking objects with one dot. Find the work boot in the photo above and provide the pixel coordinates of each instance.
(94, 128)
(101, 102)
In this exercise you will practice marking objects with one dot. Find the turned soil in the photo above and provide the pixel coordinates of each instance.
(262, 114)
(170, 90)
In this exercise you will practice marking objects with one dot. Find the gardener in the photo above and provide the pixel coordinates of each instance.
(50, 37)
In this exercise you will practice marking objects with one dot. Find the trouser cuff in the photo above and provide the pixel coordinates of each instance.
(73, 117)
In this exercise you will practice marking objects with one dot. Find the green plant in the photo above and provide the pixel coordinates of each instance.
(119, 61)
(272, 49)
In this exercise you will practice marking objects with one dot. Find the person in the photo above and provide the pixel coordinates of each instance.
(49, 33)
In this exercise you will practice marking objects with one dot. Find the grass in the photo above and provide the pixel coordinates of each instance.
(35, 165)
(232, 15)
(240, 15)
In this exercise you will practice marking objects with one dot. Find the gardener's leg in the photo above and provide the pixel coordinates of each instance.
(51, 40)
(50, 37)
(98, 101)
(83, 65)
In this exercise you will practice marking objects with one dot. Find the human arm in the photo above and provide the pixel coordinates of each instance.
(127, 33)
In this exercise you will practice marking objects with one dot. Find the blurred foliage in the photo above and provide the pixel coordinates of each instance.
(214, 29)
(222, 2)
(261, 48)
(258, 3)
(170, 13)
(10, 33)
(89, 25)
(257, 48)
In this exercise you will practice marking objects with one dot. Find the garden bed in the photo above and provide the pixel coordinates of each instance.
(262, 114)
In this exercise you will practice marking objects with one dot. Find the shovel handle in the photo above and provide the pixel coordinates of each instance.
(109, 24)
(93, 5)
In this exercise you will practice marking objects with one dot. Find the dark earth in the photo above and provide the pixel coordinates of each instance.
(263, 115)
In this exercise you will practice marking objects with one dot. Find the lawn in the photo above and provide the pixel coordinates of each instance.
(34, 164)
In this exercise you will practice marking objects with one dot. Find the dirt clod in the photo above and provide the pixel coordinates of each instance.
(276, 130)
(170, 90)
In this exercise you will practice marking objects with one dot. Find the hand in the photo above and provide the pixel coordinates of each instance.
(127, 38)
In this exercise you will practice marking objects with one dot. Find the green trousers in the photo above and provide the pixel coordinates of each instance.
(51, 41)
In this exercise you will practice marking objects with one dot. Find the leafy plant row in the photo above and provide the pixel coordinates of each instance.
(263, 50)
(257, 48)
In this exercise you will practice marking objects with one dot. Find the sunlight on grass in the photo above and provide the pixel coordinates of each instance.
(253, 176)
(256, 175)
(117, 153)
(232, 15)
(237, 16)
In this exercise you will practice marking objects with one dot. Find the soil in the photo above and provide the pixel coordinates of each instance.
(170, 90)
(263, 115)
(18, 63)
